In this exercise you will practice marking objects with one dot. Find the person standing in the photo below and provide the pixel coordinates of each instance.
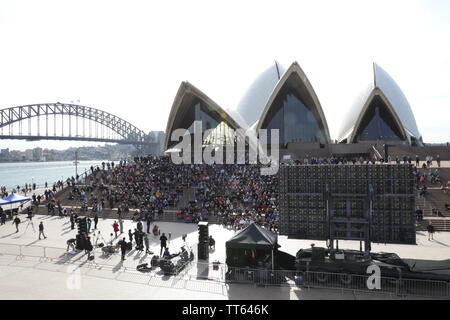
(16, 221)
(95, 221)
(3, 217)
(136, 238)
(140, 241)
(139, 226)
(163, 240)
(146, 242)
(2, 220)
(430, 229)
(121, 225)
(130, 235)
(123, 248)
(72, 220)
(116, 227)
(41, 230)
(438, 159)
(89, 223)
(87, 246)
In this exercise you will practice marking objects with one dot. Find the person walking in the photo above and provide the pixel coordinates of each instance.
(430, 229)
(438, 159)
(146, 242)
(16, 221)
(41, 230)
(89, 223)
(163, 240)
(116, 227)
(139, 226)
(123, 248)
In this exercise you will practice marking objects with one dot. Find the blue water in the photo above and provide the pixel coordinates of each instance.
(19, 173)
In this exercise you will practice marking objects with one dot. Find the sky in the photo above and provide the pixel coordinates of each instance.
(129, 57)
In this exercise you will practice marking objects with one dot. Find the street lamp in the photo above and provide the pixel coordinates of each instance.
(76, 165)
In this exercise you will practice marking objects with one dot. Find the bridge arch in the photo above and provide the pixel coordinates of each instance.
(130, 134)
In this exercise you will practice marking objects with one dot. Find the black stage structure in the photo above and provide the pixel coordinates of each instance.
(366, 202)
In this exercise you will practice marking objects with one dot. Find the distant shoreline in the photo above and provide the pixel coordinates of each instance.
(28, 161)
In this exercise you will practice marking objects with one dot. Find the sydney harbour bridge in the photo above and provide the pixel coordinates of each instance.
(72, 122)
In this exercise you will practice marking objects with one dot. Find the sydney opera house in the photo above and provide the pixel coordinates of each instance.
(284, 99)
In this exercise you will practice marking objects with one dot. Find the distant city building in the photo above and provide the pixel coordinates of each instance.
(37, 154)
(29, 155)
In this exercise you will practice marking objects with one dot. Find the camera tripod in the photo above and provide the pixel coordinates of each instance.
(30, 221)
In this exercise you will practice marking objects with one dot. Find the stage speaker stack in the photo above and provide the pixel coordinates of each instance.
(203, 241)
(82, 230)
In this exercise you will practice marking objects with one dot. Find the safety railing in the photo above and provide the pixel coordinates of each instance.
(260, 276)
(387, 285)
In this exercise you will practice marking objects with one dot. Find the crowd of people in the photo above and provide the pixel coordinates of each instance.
(233, 195)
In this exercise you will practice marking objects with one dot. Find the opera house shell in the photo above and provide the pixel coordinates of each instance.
(380, 112)
(285, 100)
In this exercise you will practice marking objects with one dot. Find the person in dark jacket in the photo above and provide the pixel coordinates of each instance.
(140, 240)
(430, 229)
(139, 226)
(87, 246)
(95, 221)
(72, 221)
(130, 235)
(136, 237)
(166, 254)
(163, 240)
(41, 230)
(123, 248)
(16, 221)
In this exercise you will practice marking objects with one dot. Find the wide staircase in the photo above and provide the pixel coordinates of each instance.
(435, 199)
(111, 213)
(188, 195)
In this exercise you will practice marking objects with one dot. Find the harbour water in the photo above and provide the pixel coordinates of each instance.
(19, 173)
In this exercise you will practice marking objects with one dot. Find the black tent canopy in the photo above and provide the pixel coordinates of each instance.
(253, 238)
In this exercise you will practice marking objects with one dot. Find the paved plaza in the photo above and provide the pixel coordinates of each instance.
(67, 276)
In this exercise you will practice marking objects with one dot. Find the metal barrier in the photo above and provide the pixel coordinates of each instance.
(394, 286)
(351, 282)
(260, 276)
(425, 288)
